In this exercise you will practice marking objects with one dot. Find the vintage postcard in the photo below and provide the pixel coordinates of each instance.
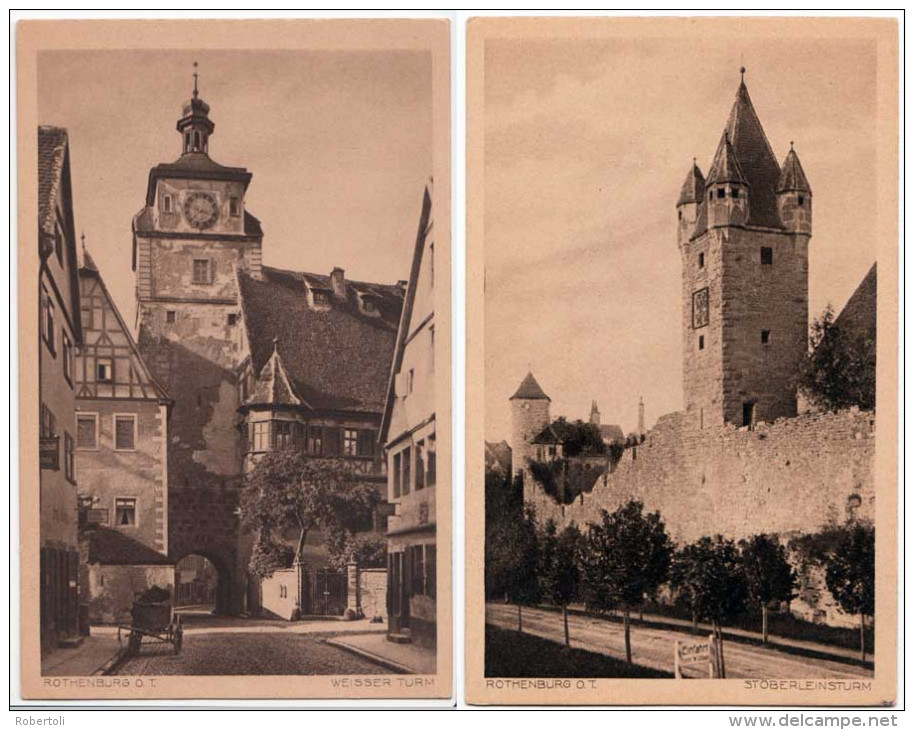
(235, 359)
(682, 428)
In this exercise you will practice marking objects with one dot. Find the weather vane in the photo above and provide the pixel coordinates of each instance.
(195, 80)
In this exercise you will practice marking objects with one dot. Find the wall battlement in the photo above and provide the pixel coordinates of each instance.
(791, 476)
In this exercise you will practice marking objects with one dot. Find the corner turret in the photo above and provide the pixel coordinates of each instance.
(727, 188)
(530, 414)
(690, 197)
(794, 196)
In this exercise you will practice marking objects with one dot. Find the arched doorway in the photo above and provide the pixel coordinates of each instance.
(198, 584)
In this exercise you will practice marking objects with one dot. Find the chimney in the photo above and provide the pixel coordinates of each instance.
(338, 282)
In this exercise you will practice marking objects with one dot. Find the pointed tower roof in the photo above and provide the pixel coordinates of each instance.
(273, 386)
(756, 159)
(726, 167)
(529, 389)
(693, 189)
(792, 175)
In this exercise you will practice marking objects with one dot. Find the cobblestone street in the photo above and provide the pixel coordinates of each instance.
(255, 653)
(223, 646)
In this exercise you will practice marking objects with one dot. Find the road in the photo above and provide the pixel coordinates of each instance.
(652, 647)
(227, 646)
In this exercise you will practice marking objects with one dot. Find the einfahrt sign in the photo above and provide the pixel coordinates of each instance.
(694, 654)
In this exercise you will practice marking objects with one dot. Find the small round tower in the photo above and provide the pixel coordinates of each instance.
(529, 415)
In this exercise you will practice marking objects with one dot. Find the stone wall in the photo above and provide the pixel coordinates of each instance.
(789, 477)
(279, 594)
(373, 592)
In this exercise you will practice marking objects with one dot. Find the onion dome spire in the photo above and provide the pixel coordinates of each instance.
(195, 125)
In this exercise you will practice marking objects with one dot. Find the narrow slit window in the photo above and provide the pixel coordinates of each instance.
(701, 260)
(767, 256)
(766, 336)
(701, 342)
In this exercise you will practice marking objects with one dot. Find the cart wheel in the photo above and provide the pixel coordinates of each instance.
(179, 639)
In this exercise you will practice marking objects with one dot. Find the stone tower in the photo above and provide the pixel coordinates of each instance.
(189, 239)
(744, 237)
(529, 415)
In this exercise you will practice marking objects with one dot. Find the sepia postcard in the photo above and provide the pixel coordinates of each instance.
(681, 426)
(234, 359)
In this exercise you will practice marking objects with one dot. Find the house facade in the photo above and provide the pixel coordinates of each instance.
(408, 433)
(59, 336)
(121, 458)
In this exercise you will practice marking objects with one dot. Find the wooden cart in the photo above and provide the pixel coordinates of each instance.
(155, 622)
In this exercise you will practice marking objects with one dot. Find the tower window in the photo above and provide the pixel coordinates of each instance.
(749, 414)
(166, 204)
(800, 200)
(766, 336)
(710, 195)
(721, 192)
(734, 193)
(196, 141)
(202, 271)
(234, 207)
(701, 342)
(680, 215)
(767, 256)
(170, 316)
(701, 260)
(232, 319)
(187, 141)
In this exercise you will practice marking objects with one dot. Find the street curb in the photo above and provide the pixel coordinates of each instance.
(387, 663)
(112, 664)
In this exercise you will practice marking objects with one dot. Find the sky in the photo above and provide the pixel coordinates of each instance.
(587, 144)
(339, 144)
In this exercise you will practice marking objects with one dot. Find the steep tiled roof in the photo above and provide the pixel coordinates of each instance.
(726, 168)
(335, 357)
(498, 456)
(529, 389)
(859, 314)
(194, 165)
(792, 175)
(52, 150)
(756, 160)
(693, 189)
(273, 386)
(112, 547)
(611, 432)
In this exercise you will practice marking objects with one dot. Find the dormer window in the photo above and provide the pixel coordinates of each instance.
(321, 298)
(734, 193)
(721, 192)
(369, 306)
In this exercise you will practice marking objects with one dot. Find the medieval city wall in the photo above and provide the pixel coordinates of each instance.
(792, 476)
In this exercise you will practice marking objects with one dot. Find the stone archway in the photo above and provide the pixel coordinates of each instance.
(204, 581)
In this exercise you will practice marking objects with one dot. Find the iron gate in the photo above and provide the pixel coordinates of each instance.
(326, 593)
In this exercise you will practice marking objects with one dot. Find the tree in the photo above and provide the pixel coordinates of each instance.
(625, 558)
(769, 576)
(512, 562)
(288, 490)
(850, 574)
(709, 576)
(840, 369)
(560, 567)
(367, 550)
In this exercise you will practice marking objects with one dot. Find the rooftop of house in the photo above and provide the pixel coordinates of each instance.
(335, 356)
(112, 547)
(52, 151)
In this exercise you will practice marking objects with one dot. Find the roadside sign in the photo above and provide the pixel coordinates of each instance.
(693, 654)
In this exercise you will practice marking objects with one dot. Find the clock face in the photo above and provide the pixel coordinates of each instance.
(200, 210)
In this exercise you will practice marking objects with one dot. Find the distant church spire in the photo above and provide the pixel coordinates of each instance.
(594, 413)
(640, 415)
